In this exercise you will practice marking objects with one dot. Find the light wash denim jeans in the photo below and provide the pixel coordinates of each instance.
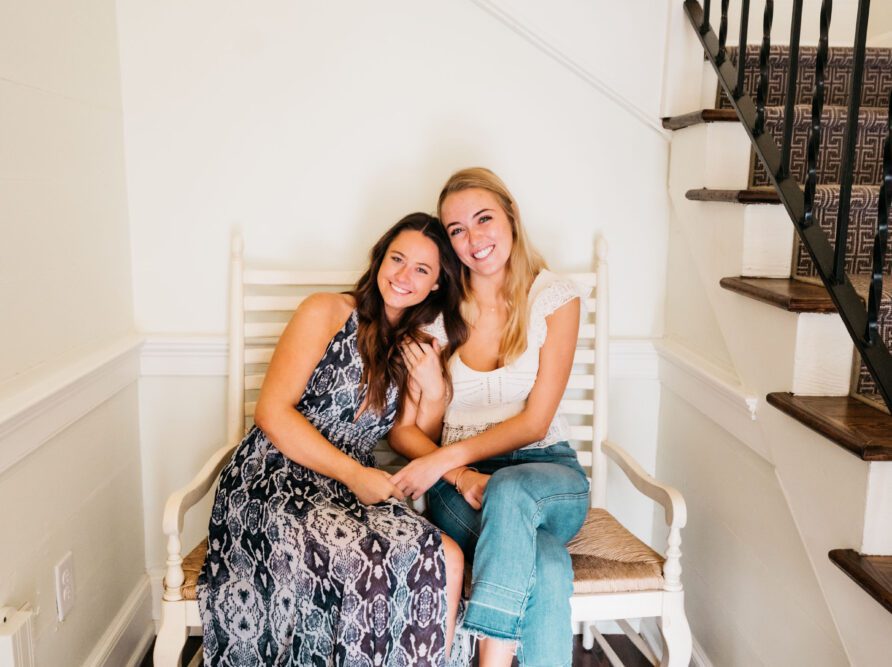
(535, 502)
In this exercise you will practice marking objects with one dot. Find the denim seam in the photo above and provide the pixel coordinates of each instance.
(489, 606)
(531, 580)
(490, 585)
(562, 496)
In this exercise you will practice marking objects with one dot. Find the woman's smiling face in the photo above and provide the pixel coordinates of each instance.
(478, 229)
(408, 272)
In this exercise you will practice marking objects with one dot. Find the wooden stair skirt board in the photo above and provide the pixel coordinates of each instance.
(852, 424)
(872, 573)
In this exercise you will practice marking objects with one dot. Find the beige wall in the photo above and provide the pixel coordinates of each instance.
(65, 276)
(313, 126)
(66, 293)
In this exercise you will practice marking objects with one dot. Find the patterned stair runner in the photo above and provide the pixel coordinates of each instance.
(837, 79)
(872, 129)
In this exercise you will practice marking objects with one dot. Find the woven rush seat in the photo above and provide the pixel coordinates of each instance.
(192, 565)
(607, 558)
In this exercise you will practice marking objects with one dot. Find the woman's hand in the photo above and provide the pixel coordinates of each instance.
(471, 485)
(425, 368)
(372, 485)
(421, 474)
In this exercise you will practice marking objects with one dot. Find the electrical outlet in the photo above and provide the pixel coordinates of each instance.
(65, 586)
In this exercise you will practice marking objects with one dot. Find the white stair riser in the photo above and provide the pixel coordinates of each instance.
(877, 539)
(728, 153)
(824, 353)
(768, 238)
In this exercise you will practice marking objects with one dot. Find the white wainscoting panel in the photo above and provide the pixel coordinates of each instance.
(128, 638)
(45, 407)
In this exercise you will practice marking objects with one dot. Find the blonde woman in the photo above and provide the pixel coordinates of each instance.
(526, 494)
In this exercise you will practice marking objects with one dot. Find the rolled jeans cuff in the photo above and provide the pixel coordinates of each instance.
(494, 611)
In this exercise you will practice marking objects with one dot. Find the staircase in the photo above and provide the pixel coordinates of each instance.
(749, 258)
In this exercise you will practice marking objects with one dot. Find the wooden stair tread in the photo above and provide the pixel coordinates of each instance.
(701, 116)
(748, 196)
(793, 295)
(859, 428)
(872, 573)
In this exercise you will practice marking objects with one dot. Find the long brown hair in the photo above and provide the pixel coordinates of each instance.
(524, 263)
(377, 340)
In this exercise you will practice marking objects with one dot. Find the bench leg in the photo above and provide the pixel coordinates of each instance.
(677, 643)
(172, 635)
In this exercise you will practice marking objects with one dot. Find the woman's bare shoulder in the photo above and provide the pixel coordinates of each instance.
(329, 307)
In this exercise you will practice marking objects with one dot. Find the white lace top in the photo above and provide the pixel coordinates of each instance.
(481, 399)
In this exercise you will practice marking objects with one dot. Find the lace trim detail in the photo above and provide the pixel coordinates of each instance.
(553, 296)
(558, 431)
(437, 329)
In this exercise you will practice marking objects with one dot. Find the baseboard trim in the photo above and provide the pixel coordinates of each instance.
(128, 637)
(699, 657)
(712, 391)
(48, 405)
(651, 634)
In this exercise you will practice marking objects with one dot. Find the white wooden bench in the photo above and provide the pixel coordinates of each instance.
(617, 577)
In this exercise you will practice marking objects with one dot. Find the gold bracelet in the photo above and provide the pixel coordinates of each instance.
(458, 477)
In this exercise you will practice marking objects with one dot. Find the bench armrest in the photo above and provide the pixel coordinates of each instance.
(671, 500)
(175, 509)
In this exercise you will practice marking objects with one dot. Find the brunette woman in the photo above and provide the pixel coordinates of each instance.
(313, 557)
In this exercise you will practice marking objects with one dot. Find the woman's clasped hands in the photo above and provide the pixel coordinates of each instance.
(373, 485)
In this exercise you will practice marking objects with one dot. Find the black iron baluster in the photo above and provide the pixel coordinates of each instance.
(793, 73)
(723, 34)
(762, 89)
(704, 26)
(817, 108)
(741, 47)
(879, 242)
(848, 151)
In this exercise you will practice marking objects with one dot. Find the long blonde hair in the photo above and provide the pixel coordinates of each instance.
(523, 265)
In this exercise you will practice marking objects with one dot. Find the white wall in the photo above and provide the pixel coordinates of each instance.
(69, 450)
(65, 255)
(313, 126)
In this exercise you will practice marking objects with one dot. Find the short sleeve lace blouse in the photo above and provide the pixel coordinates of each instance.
(481, 399)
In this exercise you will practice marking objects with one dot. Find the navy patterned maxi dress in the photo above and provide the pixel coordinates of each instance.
(298, 571)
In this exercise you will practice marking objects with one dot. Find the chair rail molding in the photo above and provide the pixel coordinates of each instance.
(45, 402)
(713, 391)
(521, 28)
(184, 355)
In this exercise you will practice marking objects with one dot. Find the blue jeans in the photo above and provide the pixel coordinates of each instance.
(534, 503)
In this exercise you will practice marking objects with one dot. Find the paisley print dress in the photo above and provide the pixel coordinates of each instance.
(298, 571)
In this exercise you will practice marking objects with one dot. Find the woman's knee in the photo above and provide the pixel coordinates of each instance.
(455, 559)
